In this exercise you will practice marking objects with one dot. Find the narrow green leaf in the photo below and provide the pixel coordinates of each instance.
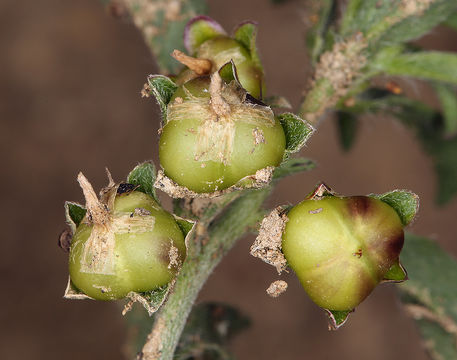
(417, 25)
(396, 273)
(246, 34)
(429, 65)
(74, 213)
(448, 98)
(348, 125)
(293, 166)
(317, 36)
(200, 29)
(163, 89)
(430, 292)
(144, 176)
(337, 318)
(297, 131)
(405, 203)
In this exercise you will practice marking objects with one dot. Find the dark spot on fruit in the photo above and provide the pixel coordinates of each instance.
(359, 205)
(395, 244)
(358, 253)
(125, 188)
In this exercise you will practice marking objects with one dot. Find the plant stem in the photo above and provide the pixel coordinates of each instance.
(209, 245)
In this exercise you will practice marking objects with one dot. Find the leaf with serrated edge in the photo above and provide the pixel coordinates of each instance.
(74, 213)
(296, 130)
(447, 96)
(200, 29)
(163, 89)
(337, 318)
(404, 202)
(396, 273)
(293, 166)
(153, 300)
(246, 34)
(144, 176)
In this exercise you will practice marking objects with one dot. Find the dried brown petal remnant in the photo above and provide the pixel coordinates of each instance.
(267, 245)
(276, 288)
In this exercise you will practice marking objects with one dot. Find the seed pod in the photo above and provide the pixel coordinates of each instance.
(342, 247)
(215, 136)
(125, 243)
(206, 40)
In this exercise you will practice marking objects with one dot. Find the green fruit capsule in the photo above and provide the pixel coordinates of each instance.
(136, 246)
(213, 138)
(221, 49)
(341, 247)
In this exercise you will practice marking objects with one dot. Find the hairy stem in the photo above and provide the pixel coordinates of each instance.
(209, 246)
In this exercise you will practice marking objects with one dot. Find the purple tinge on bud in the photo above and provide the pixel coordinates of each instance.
(198, 30)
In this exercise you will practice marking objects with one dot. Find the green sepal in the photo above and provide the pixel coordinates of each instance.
(73, 293)
(246, 34)
(448, 98)
(348, 125)
(200, 29)
(163, 88)
(321, 191)
(404, 202)
(185, 225)
(144, 176)
(396, 273)
(296, 130)
(293, 166)
(228, 73)
(336, 319)
(74, 214)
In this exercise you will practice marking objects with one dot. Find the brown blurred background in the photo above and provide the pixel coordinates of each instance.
(70, 77)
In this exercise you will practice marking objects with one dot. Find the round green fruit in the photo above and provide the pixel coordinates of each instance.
(206, 149)
(147, 246)
(341, 248)
(221, 49)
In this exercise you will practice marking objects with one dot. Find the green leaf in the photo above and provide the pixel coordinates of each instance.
(448, 98)
(144, 176)
(208, 330)
(348, 125)
(405, 203)
(163, 89)
(297, 132)
(396, 273)
(415, 26)
(74, 214)
(246, 34)
(293, 166)
(200, 29)
(430, 293)
(317, 36)
(429, 65)
(337, 318)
